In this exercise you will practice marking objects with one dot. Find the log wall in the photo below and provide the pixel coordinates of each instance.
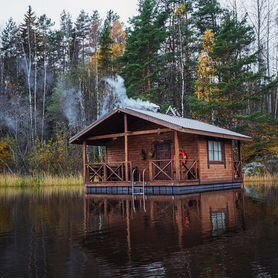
(195, 147)
(215, 173)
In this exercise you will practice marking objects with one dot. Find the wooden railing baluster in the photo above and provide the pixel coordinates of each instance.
(238, 169)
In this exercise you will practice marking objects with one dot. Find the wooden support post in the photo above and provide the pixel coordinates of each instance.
(177, 155)
(104, 172)
(126, 147)
(197, 140)
(239, 150)
(150, 170)
(239, 158)
(84, 161)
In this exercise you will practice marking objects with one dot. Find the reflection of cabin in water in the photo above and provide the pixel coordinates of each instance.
(163, 221)
(164, 151)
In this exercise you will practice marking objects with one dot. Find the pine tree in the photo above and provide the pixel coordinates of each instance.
(207, 13)
(106, 43)
(82, 29)
(235, 59)
(142, 59)
(9, 50)
(225, 94)
(66, 35)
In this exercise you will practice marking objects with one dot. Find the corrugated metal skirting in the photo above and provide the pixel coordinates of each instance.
(162, 190)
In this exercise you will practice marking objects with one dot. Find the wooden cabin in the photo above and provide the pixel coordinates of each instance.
(166, 152)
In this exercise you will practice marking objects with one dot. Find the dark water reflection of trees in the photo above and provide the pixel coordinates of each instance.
(60, 233)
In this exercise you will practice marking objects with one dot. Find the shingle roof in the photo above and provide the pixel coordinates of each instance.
(174, 122)
(189, 123)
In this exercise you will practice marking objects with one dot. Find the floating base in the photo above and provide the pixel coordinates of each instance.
(161, 190)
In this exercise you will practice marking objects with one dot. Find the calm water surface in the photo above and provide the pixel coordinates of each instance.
(55, 232)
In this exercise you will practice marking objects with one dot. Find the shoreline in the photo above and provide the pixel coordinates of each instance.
(7, 180)
(40, 180)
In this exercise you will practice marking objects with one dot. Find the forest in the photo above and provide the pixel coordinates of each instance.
(209, 60)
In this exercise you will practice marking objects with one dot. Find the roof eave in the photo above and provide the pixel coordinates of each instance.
(76, 138)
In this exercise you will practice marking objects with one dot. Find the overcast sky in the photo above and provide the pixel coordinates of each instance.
(53, 8)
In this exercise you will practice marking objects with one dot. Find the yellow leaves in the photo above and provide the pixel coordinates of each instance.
(5, 155)
(208, 41)
(274, 150)
(117, 33)
(117, 51)
(94, 59)
(180, 11)
(54, 157)
(206, 69)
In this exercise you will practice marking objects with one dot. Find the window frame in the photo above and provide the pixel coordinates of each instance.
(222, 144)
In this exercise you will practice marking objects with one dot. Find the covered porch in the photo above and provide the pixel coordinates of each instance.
(151, 156)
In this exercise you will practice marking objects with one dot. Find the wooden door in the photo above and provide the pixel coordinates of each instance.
(163, 155)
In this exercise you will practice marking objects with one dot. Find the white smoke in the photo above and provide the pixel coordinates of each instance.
(116, 97)
(72, 103)
(8, 121)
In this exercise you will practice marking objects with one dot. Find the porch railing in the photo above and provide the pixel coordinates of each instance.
(238, 169)
(161, 169)
(189, 170)
(108, 172)
(165, 170)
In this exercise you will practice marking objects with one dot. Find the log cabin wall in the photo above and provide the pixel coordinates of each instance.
(215, 172)
(115, 149)
(189, 144)
(195, 146)
(138, 143)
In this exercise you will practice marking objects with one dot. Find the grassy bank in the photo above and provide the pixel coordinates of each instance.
(46, 180)
(35, 181)
(261, 179)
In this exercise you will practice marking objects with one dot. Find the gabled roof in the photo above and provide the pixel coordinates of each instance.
(173, 122)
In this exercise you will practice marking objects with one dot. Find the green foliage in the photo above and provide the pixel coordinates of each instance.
(264, 131)
(105, 56)
(6, 157)
(206, 15)
(233, 75)
(55, 156)
(142, 61)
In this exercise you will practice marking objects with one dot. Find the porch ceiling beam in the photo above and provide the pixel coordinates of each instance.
(130, 133)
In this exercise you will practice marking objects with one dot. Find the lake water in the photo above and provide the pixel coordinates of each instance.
(57, 232)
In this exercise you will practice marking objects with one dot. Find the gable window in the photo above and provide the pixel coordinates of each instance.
(215, 151)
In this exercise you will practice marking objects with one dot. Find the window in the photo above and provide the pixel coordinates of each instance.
(215, 152)
(219, 222)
